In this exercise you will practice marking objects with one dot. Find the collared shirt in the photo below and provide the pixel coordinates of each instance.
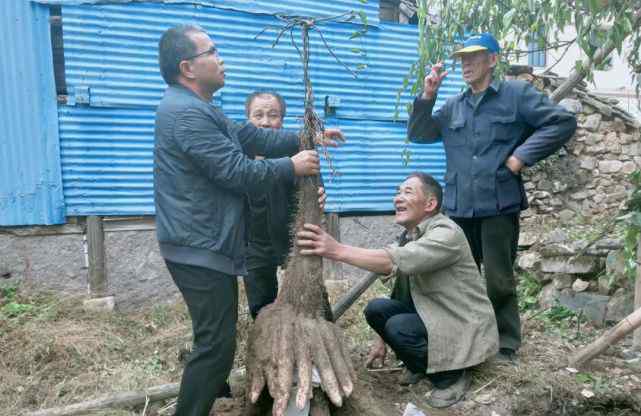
(511, 118)
(449, 294)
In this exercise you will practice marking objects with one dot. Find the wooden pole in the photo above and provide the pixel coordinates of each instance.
(626, 326)
(119, 400)
(636, 339)
(96, 250)
(129, 399)
(354, 293)
(333, 270)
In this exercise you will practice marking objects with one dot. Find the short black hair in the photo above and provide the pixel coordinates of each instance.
(430, 186)
(250, 99)
(175, 46)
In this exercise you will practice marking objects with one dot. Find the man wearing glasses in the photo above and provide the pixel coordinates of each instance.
(203, 168)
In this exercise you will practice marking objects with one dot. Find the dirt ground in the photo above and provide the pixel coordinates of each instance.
(52, 353)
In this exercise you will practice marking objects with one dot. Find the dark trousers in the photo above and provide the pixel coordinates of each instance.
(212, 300)
(494, 241)
(261, 288)
(402, 329)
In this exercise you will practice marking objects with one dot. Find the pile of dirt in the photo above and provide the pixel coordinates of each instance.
(53, 353)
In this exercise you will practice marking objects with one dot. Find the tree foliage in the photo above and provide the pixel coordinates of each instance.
(443, 23)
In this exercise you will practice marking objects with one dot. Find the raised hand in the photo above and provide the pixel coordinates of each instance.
(331, 137)
(432, 81)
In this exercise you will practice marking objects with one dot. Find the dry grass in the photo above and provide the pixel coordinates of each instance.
(55, 354)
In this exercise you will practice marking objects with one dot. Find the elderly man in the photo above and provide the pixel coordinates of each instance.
(490, 133)
(269, 239)
(202, 173)
(441, 322)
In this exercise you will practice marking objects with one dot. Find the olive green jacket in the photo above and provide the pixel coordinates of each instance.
(449, 294)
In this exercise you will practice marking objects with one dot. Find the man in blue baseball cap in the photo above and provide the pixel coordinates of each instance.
(490, 132)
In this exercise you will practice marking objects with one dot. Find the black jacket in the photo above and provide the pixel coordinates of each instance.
(203, 169)
(279, 214)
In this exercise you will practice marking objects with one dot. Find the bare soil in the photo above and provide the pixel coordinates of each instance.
(52, 353)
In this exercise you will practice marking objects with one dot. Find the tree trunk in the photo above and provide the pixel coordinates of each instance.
(296, 335)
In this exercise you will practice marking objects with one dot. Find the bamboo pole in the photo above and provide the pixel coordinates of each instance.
(626, 326)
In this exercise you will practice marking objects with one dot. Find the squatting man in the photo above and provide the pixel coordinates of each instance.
(439, 293)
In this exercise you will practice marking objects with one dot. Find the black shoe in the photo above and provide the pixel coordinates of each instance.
(507, 356)
(225, 392)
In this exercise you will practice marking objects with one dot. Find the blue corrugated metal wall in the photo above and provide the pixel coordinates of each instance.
(111, 49)
(30, 179)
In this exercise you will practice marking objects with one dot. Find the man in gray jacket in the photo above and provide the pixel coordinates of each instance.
(441, 323)
(203, 170)
(490, 133)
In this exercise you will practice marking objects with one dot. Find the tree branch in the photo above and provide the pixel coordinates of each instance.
(599, 56)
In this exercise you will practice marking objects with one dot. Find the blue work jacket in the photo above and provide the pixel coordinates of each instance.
(512, 118)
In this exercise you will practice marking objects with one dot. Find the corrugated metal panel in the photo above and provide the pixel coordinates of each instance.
(112, 50)
(313, 8)
(308, 8)
(371, 165)
(107, 159)
(30, 180)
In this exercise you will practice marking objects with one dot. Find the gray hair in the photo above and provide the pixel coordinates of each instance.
(251, 97)
(430, 186)
(175, 46)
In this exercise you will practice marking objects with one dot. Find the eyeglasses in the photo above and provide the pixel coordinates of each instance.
(210, 51)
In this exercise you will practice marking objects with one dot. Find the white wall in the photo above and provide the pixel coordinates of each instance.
(616, 82)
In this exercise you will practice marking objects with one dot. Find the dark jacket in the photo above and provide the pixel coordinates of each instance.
(279, 214)
(512, 118)
(202, 174)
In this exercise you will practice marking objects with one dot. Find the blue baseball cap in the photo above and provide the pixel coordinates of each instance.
(483, 42)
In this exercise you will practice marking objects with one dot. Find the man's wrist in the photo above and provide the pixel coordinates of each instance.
(339, 254)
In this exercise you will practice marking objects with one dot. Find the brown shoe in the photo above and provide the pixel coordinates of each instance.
(440, 398)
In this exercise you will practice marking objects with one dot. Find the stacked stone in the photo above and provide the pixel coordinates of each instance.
(589, 177)
(591, 281)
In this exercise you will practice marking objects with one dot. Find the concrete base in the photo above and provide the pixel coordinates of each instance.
(106, 304)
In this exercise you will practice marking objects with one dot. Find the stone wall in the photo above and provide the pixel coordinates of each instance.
(587, 179)
(568, 240)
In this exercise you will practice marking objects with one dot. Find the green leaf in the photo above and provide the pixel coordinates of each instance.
(356, 35)
(508, 17)
(583, 378)
(363, 17)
